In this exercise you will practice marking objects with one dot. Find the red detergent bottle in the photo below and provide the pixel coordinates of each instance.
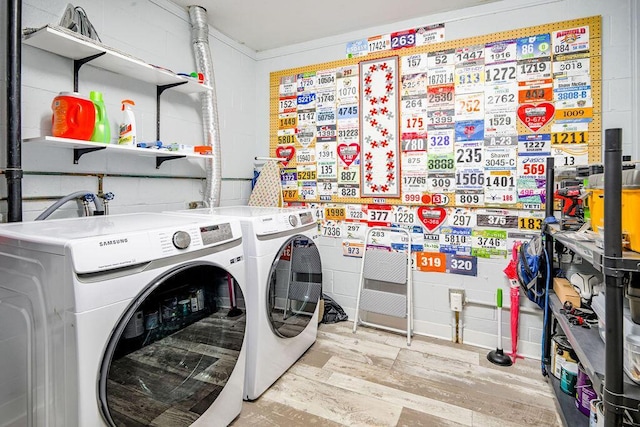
(73, 117)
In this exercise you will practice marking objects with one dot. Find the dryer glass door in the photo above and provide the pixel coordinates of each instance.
(174, 350)
(295, 286)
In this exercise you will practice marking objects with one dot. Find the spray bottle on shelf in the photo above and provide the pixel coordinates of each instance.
(102, 130)
(128, 125)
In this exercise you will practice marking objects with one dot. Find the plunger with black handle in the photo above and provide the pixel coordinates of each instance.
(497, 356)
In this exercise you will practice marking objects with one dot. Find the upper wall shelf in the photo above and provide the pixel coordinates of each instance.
(69, 46)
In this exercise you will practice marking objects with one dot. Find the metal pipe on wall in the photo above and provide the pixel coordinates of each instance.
(209, 100)
(13, 171)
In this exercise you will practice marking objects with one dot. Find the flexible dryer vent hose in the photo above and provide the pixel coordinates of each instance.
(209, 100)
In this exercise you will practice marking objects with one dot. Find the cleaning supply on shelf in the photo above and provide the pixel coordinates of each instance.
(73, 116)
(128, 124)
(102, 130)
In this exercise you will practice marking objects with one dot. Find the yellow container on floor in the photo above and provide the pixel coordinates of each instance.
(630, 205)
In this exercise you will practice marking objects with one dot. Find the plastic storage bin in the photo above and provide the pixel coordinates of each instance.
(630, 205)
(632, 357)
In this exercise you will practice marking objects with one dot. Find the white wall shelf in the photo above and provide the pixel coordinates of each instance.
(81, 148)
(66, 45)
(81, 51)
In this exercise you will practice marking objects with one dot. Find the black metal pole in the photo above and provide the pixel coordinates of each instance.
(613, 375)
(13, 171)
(548, 212)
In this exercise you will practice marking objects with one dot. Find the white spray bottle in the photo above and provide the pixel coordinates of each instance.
(128, 125)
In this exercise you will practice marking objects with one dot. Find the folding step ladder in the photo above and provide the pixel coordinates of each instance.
(385, 283)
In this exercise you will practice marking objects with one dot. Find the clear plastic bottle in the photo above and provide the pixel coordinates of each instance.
(128, 125)
(102, 130)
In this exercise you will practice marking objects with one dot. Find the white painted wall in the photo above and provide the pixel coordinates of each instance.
(158, 32)
(620, 109)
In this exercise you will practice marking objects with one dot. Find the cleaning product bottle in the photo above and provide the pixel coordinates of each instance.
(128, 125)
(102, 130)
(73, 117)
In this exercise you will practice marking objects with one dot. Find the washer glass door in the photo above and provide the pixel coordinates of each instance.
(295, 286)
(174, 349)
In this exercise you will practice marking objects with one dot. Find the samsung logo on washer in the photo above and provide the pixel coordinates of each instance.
(113, 242)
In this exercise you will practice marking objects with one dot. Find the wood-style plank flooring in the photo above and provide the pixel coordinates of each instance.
(373, 379)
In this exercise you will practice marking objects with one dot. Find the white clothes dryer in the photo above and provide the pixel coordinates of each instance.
(121, 320)
(284, 285)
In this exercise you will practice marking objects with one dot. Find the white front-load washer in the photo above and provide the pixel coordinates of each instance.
(121, 320)
(284, 285)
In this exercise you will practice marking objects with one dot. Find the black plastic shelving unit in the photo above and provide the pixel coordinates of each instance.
(603, 361)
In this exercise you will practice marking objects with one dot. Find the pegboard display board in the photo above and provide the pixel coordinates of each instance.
(462, 123)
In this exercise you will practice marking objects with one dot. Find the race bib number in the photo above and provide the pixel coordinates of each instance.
(441, 163)
(469, 79)
(497, 218)
(571, 40)
(489, 243)
(500, 158)
(469, 153)
(501, 73)
(538, 144)
(434, 262)
(403, 215)
(440, 141)
(538, 46)
(441, 97)
(502, 51)
(412, 64)
(441, 183)
(443, 75)
(413, 84)
(500, 187)
(462, 217)
(474, 54)
(332, 229)
(501, 98)
(326, 189)
(570, 154)
(500, 124)
(441, 58)
(353, 248)
(354, 230)
(468, 198)
(534, 69)
(470, 106)
(379, 43)
(469, 178)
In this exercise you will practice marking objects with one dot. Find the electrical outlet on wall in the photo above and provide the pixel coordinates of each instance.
(456, 299)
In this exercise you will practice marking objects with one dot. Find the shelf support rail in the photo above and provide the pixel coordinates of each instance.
(78, 63)
(79, 152)
(614, 339)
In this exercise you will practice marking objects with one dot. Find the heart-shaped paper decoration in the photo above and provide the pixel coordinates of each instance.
(432, 217)
(348, 153)
(285, 152)
(536, 116)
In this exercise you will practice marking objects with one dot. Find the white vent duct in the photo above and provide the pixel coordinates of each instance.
(209, 100)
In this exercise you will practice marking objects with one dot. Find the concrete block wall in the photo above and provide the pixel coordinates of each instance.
(620, 109)
(158, 32)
